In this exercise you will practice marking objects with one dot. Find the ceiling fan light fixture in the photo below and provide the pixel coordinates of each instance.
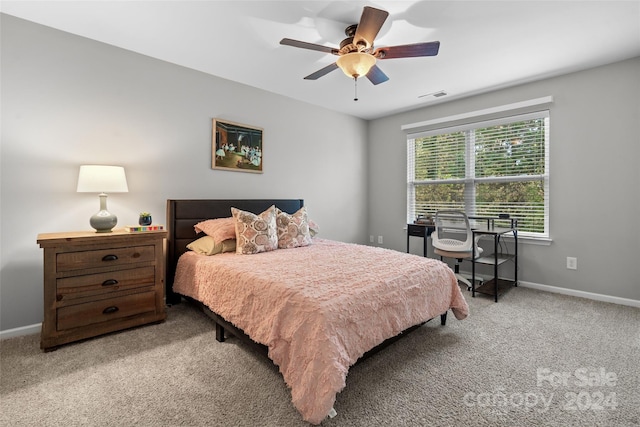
(356, 64)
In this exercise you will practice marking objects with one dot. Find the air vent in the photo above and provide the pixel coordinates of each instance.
(437, 94)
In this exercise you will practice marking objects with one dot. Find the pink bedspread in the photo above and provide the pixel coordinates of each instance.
(319, 308)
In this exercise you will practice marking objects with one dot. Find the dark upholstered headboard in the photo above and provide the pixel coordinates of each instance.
(182, 215)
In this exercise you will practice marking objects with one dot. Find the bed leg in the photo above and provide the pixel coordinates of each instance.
(219, 333)
(443, 318)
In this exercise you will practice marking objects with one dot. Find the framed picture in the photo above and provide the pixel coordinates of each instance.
(236, 147)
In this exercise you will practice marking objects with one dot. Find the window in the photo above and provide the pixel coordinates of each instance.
(485, 169)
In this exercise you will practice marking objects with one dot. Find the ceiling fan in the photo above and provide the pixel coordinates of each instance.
(357, 56)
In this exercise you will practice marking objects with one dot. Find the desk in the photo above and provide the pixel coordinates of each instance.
(420, 230)
(494, 286)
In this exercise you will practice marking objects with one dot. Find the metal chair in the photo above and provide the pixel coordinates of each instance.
(453, 238)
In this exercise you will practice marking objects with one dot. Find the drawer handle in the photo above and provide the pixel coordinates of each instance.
(110, 282)
(110, 258)
(110, 310)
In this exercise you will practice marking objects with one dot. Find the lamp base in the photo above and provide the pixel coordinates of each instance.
(103, 221)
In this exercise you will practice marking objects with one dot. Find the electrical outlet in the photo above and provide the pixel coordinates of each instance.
(379, 240)
(371, 238)
(572, 263)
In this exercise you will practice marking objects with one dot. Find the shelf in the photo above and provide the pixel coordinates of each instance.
(491, 259)
(487, 288)
(495, 286)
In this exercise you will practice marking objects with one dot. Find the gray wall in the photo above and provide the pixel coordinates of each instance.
(594, 178)
(68, 101)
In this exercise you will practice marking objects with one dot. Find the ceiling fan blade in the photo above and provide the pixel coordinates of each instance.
(376, 76)
(370, 23)
(321, 72)
(408, 50)
(311, 46)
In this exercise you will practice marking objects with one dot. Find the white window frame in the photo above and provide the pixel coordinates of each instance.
(467, 122)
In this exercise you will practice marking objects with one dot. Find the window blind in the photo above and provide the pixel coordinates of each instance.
(485, 168)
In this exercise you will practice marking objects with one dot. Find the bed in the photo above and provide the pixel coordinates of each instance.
(317, 309)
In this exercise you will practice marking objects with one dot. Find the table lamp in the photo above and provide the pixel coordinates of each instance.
(102, 179)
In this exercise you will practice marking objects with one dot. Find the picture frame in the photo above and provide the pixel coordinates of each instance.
(236, 147)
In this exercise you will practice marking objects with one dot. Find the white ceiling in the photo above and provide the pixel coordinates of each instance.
(484, 44)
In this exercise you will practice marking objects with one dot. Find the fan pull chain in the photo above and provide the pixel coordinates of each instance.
(355, 84)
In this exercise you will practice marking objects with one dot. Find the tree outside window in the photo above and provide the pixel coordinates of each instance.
(485, 169)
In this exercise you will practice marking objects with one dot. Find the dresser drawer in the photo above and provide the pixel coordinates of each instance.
(70, 288)
(98, 283)
(105, 310)
(71, 261)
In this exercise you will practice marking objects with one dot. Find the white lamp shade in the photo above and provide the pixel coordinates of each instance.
(102, 179)
(356, 64)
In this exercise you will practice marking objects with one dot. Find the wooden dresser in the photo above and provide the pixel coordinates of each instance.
(95, 283)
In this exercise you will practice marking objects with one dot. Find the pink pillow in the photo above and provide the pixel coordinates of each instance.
(220, 229)
(293, 230)
(255, 233)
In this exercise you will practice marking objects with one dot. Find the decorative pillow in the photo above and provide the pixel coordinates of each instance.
(220, 229)
(207, 245)
(255, 233)
(293, 230)
(314, 229)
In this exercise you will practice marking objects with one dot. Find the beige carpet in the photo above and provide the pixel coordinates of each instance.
(533, 359)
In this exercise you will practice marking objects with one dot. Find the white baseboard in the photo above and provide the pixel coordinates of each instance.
(565, 291)
(581, 294)
(23, 330)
